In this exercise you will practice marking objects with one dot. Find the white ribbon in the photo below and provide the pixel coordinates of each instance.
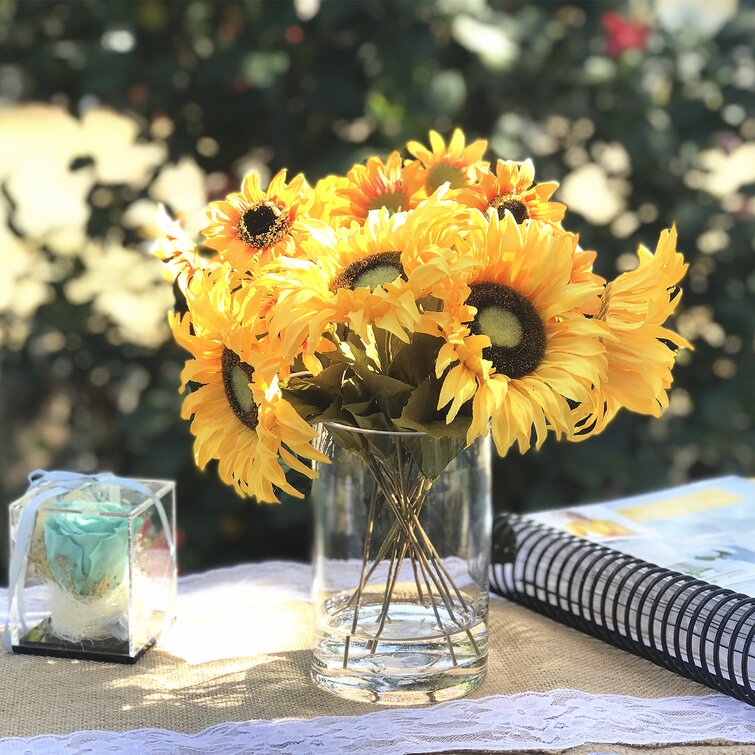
(48, 485)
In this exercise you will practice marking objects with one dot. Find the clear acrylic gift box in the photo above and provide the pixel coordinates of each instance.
(92, 566)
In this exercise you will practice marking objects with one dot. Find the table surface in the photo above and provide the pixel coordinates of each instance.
(232, 675)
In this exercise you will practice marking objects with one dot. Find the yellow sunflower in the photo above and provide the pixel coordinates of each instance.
(274, 350)
(455, 163)
(327, 200)
(634, 308)
(251, 227)
(582, 272)
(176, 250)
(512, 187)
(370, 275)
(517, 343)
(236, 418)
(379, 184)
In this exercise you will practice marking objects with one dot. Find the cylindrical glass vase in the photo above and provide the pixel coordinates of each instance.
(402, 546)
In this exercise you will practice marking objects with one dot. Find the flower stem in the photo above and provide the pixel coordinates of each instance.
(406, 537)
(362, 581)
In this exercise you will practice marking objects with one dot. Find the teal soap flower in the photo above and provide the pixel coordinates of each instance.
(87, 553)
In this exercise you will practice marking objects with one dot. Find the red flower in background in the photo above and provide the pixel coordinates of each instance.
(623, 34)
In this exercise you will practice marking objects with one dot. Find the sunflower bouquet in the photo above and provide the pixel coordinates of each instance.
(437, 293)
(434, 294)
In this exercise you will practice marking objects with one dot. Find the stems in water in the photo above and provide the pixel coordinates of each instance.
(365, 558)
(405, 496)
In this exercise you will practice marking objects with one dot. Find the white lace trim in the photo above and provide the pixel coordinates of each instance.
(552, 720)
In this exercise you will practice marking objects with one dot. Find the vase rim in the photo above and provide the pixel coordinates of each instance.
(355, 429)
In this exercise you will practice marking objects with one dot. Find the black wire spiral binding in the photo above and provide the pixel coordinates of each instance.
(698, 630)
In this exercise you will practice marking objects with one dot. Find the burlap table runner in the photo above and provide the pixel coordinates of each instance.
(209, 670)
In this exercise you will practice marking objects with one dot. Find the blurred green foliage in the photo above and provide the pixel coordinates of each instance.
(646, 117)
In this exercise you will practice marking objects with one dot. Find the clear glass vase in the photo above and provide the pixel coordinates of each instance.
(402, 545)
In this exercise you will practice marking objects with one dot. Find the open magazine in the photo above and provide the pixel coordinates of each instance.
(669, 575)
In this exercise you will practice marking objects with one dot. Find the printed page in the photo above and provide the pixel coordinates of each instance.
(706, 529)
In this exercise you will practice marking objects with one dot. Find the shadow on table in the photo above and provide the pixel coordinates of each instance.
(46, 695)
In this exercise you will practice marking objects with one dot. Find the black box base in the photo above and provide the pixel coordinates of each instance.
(109, 650)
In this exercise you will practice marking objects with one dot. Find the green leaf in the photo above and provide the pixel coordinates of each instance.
(440, 443)
(433, 454)
(314, 394)
(388, 393)
(414, 362)
(422, 415)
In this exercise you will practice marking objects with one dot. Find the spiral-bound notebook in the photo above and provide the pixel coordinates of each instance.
(669, 576)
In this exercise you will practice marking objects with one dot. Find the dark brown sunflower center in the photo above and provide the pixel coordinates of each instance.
(263, 224)
(443, 173)
(236, 378)
(516, 332)
(508, 202)
(370, 272)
